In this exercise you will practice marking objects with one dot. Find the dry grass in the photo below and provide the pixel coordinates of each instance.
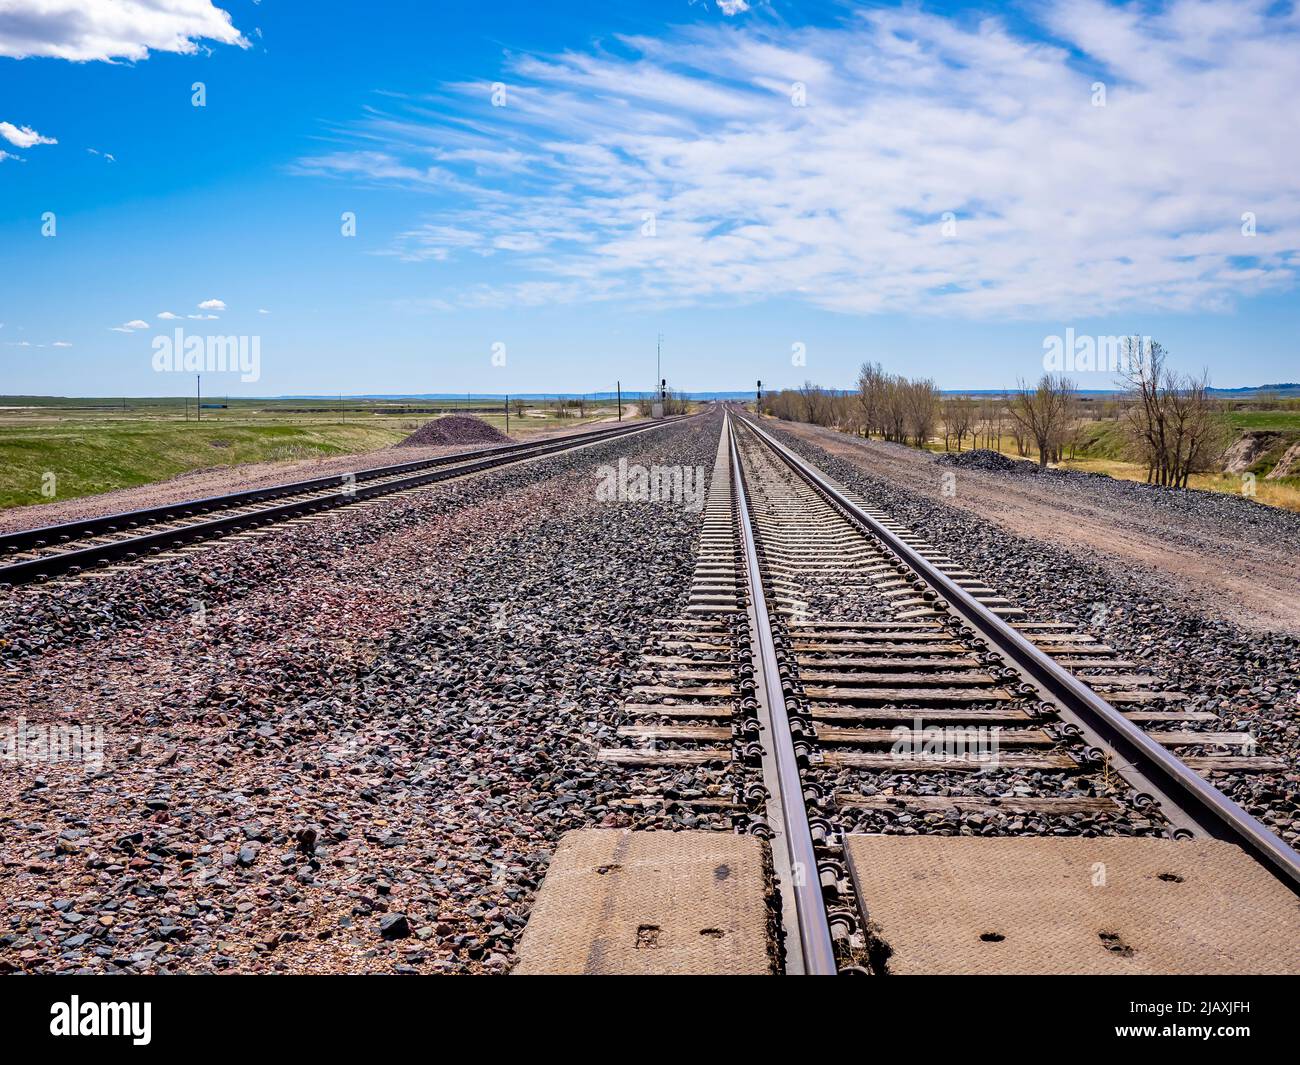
(1283, 493)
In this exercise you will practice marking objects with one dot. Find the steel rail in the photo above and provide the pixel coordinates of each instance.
(1211, 812)
(77, 559)
(48, 535)
(816, 948)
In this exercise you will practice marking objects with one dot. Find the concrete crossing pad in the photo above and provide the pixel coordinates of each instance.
(1051, 905)
(619, 902)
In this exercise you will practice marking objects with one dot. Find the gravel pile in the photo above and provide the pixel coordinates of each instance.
(360, 755)
(455, 429)
(1251, 679)
(983, 459)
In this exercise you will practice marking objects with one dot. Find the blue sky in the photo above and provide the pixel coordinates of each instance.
(936, 187)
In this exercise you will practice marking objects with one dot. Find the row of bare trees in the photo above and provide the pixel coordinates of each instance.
(894, 407)
(1173, 423)
(886, 405)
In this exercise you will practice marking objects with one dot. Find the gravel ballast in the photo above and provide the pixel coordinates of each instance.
(345, 745)
(1250, 678)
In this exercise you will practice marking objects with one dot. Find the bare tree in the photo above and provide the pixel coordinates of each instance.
(894, 413)
(816, 404)
(1173, 423)
(959, 416)
(921, 406)
(991, 422)
(872, 384)
(1044, 413)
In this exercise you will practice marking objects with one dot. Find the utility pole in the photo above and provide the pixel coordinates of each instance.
(198, 397)
(507, 414)
(659, 344)
(619, 385)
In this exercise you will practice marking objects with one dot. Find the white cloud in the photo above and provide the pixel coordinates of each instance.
(86, 30)
(103, 155)
(262, 310)
(732, 7)
(9, 155)
(22, 136)
(202, 317)
(167, 315)
(1060, 206)
(60, 344)
(212, 305)
(131, 326)
(376, 166)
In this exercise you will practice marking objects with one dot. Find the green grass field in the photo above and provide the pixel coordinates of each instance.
(1281, 420)
(99, 446)
(87, 459)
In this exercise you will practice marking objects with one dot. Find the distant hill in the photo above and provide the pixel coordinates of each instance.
(1289, 388)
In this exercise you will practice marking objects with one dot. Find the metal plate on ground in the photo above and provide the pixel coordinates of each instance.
(942, 904)
(618, 902)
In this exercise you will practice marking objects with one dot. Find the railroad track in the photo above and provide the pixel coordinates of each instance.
(835, 679)
(76, 547)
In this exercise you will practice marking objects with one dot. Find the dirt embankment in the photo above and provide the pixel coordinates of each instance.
(1267, 451)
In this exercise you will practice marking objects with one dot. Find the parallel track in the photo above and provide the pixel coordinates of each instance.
(819, 631)
(1160, 781)
(1193, 808)
(73, 547)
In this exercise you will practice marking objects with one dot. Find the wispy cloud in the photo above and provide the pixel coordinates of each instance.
(898, 161)
(212, 305)
(131, 326)
(101, 30)
(22, 136)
